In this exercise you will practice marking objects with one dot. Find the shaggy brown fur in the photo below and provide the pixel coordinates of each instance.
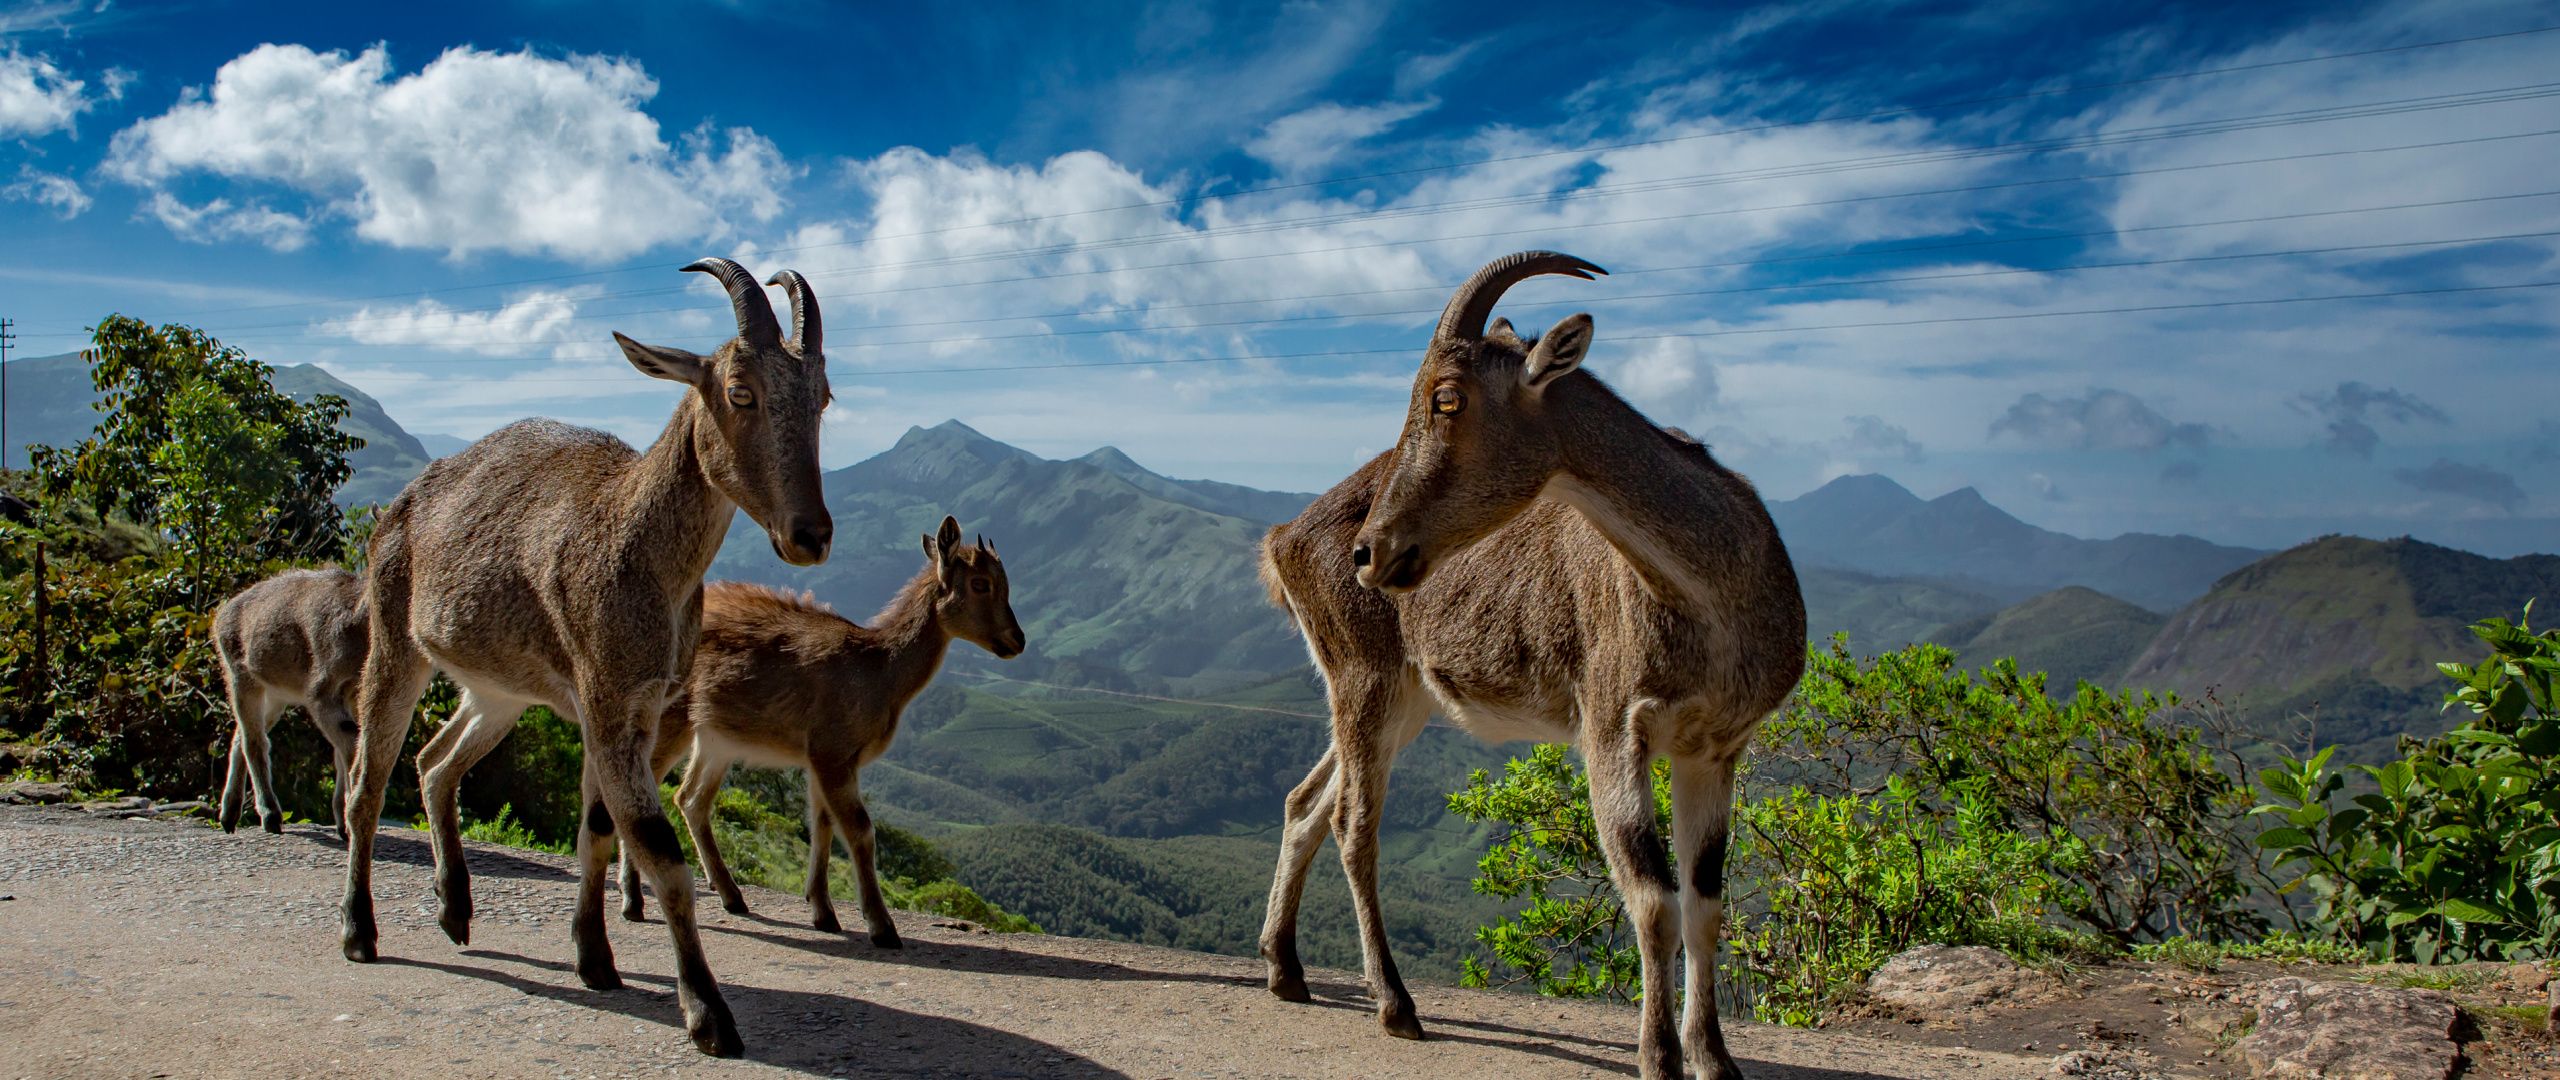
(1539, 561)
(295, 639)
(552, 565)
(780, 680)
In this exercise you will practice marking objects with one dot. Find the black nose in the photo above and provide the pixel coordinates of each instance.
(813, 536)
(1360, 555)
(1013, 641)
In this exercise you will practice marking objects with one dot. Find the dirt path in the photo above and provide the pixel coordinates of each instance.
(163, 948)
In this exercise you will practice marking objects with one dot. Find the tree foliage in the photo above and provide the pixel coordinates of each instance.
(183, 413)
(2455, 852)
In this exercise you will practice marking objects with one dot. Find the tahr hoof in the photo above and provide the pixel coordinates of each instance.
(715, 1034)
(887, 941)
(632, 911)
(734, 905)
(231, 822)
(359, 950)
(457, 925)
(601, 976)
(273, 823)
(825, 922)
(1290, 988)
(1402, 1025)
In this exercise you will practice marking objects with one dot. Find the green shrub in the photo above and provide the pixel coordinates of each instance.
(2144, 789)
(1572, 939)
(2455, 854)
(1845, 882)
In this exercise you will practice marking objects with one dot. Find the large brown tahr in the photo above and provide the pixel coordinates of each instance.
(549, 564)
(1539, 561)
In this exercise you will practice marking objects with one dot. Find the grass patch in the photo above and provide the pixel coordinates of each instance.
(2277, 948)
(2448, 979)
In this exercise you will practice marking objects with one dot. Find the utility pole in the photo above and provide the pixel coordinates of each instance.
(6, 339)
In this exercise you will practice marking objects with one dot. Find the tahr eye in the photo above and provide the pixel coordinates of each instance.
(1447, 401)
(979, 586)
(741, 397)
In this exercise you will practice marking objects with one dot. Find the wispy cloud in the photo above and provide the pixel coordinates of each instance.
(59, 193)
(2103, 420)
(2352, 408)
(2476, 482)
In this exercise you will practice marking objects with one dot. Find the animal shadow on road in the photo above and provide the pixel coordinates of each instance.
(817, 1034)
(409, 847)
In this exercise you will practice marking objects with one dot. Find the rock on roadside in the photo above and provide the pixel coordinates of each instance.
(26, 792)
(1940, 983)
(2350, 1031)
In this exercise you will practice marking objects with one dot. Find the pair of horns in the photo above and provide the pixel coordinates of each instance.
(756, 325)
(1464, 318)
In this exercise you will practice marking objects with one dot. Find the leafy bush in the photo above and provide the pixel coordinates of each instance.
(1896, 801)
(2152, 805)
(1572, 940)
(505, 829)
(1845, 882)
(2455, 854)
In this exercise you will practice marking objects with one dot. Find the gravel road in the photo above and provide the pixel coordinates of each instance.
(150, 948)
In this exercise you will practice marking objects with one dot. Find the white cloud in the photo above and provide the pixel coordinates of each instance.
(477, 151)
(536, 318)
(36, 97)
(218, 221)
(1310, 139)
(61, 193)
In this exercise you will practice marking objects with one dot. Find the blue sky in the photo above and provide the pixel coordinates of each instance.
(1880, 237)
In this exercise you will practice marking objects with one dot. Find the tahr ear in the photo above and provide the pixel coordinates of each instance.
(949, 538)
(662, 362)
(1559, 350)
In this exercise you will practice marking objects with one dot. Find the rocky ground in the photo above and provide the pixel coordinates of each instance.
(2133, 1021)
(135, 940)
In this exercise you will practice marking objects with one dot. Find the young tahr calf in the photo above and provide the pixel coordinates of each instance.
(297, 638)
(779, 680)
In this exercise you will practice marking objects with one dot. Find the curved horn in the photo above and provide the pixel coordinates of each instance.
(755, 313)
(1463, 319)
(805, 331)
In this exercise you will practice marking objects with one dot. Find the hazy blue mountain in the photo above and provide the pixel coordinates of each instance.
(1872, 525)
(439, 445)
(51, 398)
(1217, 497)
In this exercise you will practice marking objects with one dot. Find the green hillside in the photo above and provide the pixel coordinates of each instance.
(51, 398)
(1113, 582)
(1156, 820)
(2071, 634)
(1881, 614)
(2344, 629)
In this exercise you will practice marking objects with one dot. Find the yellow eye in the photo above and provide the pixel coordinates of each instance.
(741, 396)
(1447, 401)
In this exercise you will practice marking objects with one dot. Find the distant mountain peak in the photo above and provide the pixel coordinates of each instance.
(954, 435)
(1863, 486)
(1112, 458)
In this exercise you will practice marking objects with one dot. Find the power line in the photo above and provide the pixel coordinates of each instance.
(1684, 335)
(1587, 149)
(1601, 302)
